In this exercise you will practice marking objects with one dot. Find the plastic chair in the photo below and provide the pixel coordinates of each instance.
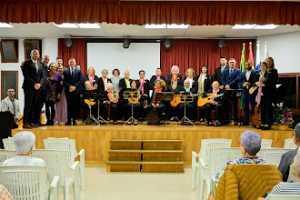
(58, 165)
(283, 197)
(68, 145)
(289, 144)
(29, 183)
(5, 154)
(266, 143)
(8, 144)
(273, 155)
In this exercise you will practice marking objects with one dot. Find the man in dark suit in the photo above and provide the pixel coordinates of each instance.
(33, 77)
(156, 77)
(73, 87)
(219, 72)
(232, 78)
(248, 79)
(288, 158)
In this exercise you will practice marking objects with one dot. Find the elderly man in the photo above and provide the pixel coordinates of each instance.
(288, 157)
(33, 77)
(24, 142)
(11, 104)
(250, 146)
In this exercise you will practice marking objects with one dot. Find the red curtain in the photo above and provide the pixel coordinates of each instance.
(195, 53)
(78, 51)
(115, 11)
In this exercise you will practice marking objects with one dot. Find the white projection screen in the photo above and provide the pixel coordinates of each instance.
(111, 55)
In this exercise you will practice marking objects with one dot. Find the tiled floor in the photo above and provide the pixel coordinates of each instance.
(101, 185)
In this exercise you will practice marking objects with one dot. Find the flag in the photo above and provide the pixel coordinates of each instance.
(257, 58)
(243, 58)
(251, 57)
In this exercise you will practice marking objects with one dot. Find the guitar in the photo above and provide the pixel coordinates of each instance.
(178, 99)
(202, 101)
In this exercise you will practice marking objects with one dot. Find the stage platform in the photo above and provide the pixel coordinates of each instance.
(96, 139)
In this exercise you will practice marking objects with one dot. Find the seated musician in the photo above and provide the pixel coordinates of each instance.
(190, 104)
(90, 86)
(112, 103)
(144, 87)
(174, 85)
(133, 102)
(216, 104)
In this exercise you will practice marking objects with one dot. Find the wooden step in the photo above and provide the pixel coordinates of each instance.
(129, 140)
(145, 163)
(144, 151)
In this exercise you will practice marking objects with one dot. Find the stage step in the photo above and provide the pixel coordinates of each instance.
(145, 156)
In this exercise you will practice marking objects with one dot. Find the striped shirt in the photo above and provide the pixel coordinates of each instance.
(285, 188)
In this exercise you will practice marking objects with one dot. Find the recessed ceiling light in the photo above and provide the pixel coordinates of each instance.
(267, 26)
(178, 26)
(89, 25)
(243, 26)
(5, 25)
(155, 26)
(66, 25)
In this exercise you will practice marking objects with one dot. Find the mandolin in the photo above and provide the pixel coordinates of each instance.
(202, 101)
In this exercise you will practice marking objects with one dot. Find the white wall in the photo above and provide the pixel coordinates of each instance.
(49, 47)
(285, 49)
(138, 56)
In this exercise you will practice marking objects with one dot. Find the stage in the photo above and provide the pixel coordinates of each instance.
(96, 139)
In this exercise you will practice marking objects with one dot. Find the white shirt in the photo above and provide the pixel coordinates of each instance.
(11, 106)
(248, 73)
(24, 161)
(191, 82)
(36, 64)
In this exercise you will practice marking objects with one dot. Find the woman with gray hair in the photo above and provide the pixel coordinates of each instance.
(250, 146)
(24, 142)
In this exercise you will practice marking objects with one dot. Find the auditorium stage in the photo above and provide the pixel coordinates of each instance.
(96, 139)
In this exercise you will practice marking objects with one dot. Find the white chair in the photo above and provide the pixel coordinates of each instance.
(5, 154)
(201, 164)
(289, 144)
(273, 155)
(59, 165)
(283, 197)
(68, 145)
(8, 144)
(266, 143)
(26, 183)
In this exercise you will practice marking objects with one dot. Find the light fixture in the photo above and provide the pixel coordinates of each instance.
(89, 25)
(267, 26)
(155, 26)
(5, 25)
(243, 26)
(66, 25)
(178, 26)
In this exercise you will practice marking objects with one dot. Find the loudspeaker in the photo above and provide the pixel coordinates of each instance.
(167, 44)
(126, 43)
(68, 42)
(221, 44)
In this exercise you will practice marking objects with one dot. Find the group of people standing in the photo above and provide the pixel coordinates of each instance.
(63, 89)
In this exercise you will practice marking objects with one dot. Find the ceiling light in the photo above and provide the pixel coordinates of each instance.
(89, 25)
(66, 25)
(243, 26)
(155, 26)
(5, 25)
(177, 26)
(267, 26)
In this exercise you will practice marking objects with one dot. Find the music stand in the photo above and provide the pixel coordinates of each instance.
(186, 98)
(131, 96)
(89, 100)
(100, 119)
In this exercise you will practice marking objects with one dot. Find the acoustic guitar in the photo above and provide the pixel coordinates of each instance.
(178, 99)
(202, 101)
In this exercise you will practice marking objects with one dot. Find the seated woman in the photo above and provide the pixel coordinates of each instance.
(289, 188)
(250, 145)
(112, 103)
(174, 84)
(24, 142)
(216, 103)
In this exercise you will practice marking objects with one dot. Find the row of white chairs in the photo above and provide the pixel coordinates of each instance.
(60, 156)
(210, 162)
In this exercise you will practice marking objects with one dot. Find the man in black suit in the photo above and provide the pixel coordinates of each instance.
(33, 77)
(288, 158)
(220, 71)
(157, 76)
(248, 79)
(73, 87)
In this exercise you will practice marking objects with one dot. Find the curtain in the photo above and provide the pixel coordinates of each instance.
(115, 11)
(78, 50)
(194, 53)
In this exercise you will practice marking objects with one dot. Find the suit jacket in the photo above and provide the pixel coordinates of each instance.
(286, 160)
(75, 79)
(153, 79)
(252, 79)
(101, 86)
(232, 79)
(122, 84)
(147, 86)
(31, 75)
(178, 88)
(207, 84)
(219, 75)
